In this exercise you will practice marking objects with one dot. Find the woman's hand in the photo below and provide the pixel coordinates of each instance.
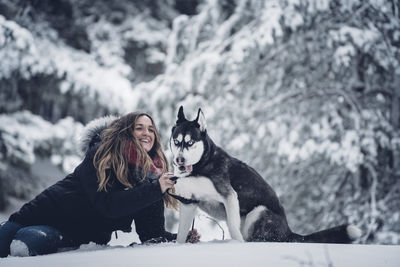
(165, 182)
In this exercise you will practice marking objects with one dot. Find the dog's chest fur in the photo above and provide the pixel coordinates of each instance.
(198, 187)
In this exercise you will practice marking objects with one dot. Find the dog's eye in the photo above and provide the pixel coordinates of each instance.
(191, 142)
(176, 142)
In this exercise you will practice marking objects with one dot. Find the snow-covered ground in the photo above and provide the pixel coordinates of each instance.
(227, 253)
(213, 252)
(210, 251)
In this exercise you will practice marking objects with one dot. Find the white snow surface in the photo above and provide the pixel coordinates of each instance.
(218, 253)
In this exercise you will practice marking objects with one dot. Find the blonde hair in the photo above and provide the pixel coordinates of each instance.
(112, 153)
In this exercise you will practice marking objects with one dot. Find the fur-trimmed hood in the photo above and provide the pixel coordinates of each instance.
(92, 130)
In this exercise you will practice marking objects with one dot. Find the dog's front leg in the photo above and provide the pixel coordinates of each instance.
(186, 215)
(231, 204)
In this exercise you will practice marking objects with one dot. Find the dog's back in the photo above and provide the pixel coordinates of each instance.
(252, 189)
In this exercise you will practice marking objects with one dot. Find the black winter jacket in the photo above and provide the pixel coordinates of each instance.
(75, 207)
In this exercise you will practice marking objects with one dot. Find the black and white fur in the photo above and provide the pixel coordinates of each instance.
(230, 190)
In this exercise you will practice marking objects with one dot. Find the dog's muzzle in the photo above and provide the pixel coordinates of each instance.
(180, 162)
(188, 168)
(184, 169)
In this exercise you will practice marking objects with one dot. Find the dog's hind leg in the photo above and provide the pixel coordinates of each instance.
(186, 215)
(231, 204)
(263, 225)
(249, 221)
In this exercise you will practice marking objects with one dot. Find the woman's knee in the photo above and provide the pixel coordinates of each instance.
(36, 240)
(7, 233)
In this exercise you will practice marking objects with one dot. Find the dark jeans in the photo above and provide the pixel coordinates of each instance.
(32, 240)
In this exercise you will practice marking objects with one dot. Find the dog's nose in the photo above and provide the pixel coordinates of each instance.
(180, 160)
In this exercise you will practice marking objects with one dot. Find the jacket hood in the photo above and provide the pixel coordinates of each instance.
(91, 132)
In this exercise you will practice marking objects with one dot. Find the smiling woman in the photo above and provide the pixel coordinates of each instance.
(123, 178)
(144, 132)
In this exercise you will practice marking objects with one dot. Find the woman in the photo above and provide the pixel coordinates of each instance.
(123, 177)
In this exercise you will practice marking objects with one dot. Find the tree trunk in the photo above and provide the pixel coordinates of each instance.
(395, 120)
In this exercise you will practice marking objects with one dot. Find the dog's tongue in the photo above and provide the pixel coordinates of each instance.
(189, 168)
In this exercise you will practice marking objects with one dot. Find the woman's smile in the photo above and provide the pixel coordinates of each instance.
(144, 132)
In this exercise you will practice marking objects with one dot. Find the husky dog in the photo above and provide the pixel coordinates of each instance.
(228, 189)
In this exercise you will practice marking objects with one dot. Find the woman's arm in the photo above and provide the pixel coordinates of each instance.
(116, 203)
(150, 223)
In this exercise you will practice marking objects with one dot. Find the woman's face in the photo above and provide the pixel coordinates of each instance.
(144, 132)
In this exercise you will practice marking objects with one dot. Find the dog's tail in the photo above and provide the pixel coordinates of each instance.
(345, 233)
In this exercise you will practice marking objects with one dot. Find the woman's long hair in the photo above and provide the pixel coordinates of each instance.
(112, 153)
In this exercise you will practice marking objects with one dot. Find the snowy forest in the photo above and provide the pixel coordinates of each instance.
(307, 92)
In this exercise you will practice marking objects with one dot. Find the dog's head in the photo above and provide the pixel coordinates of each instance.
(187, 142)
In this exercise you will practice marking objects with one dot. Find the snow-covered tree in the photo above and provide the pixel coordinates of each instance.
(305, 91)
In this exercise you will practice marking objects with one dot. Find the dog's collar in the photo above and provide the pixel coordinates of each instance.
(183, 200)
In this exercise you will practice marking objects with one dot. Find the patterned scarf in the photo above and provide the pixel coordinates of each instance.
(156, 168)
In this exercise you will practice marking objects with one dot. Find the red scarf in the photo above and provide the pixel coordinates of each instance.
(156, 167)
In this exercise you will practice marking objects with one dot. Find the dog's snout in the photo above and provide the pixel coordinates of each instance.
(180, 160)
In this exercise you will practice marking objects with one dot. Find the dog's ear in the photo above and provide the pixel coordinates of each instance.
(201, 120)
(181, 116)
